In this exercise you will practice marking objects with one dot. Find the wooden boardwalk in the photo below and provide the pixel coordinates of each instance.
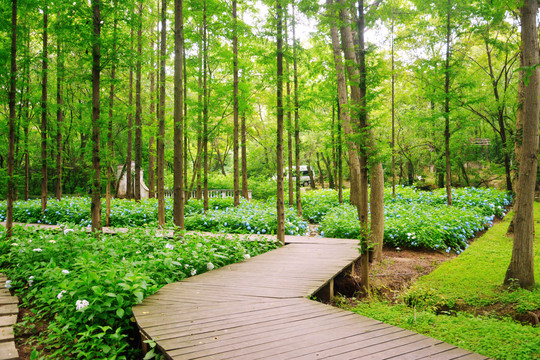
(260, 309)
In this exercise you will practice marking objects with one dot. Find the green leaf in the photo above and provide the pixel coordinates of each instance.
(149, 355)
(120, 313)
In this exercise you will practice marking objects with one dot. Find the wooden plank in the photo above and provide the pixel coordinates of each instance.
(8, 300)
(456, 353)
(429, 352)
(9, 309)
(8, 351)
(8, 320)
(6, 334)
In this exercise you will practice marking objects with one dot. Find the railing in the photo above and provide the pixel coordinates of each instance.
(215, 193)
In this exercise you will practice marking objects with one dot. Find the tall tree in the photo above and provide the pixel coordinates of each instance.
(244, 157)
(296, 120)
(447, 68)
(138, 107)
(44, 78)
(12, 120)
(129, 152)
(205, 107)
(279, 144)
(152, 114)
(521, 268)
(110, 148)
(235, 106)
(161, 117)
(96, 73)
(178, 213)
(59, 113)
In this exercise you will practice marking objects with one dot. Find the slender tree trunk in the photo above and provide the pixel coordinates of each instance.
(59, 117)
(96, 70)
(129, 153)
(178, 115)
(377, 211)
(205, 111)
(245, 193)
(521, 268)
(12, 115)
(110, 147)
(44, 76)
(151, 145)
(198, 168)
(296, 119)
(279, 144)
(328, 163)
(321, 175)
(138, 109)
(447, 110)
(185, 161)
(236, 170)
(339, 156)
(393, 144)
(290, 130)
(161, 118)
(27, 125)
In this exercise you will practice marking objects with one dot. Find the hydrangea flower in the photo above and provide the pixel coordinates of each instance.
(8, 284)
(81, 304)
(169, 246)
(193, 272)
(61, 294)
(65, 271)
(247, 256)
(30, 280)
(210, 266)
(67, 231)
(38, 250)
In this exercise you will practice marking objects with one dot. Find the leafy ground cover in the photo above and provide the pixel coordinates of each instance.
(251, 217)
(82, 288)
(420, 219)
(463, 301)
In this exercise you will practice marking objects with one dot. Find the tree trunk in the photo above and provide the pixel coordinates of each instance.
(205, 111)
(321, 175)
(129, 157)
(245, 193)
(290, 165)
(185, 160)
(377, 211)
(339, 157)
(447, 110)
(328, 163)
(311, 178)
(110, 148)
(235, 106)
(59, 116)
(12, 115)
(178, 115)
(296, 119)
(96, 166)
(26, 126)
(151, 126)
(161, 118)
(521, 268)
(138, 109)
(279, 142)
(44, 75)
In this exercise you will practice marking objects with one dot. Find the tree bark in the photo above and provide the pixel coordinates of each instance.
(235, 108)
(447, 109)
(151, 145)
(377, 211)
(205, 110)
(129, 156)
(296, 119)
(110, 148)
(290, 130)
(321, 175)
(59, 116)
(339, 156)
(12, 115)
(279, 142)
(245, 193)
(138, 109)
(44, 76)
(521, 268)
(178, 115)
(160, 145)
(96, 72)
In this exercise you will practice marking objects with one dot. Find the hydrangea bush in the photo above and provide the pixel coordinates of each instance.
(420, 219)
(84, 287)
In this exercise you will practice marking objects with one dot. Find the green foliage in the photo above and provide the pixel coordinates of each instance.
(84, 287)
(420, 219)
(315, 204)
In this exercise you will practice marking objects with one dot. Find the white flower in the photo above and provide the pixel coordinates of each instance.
(210, 266)
(81, 304)
(30, 280)
(169, 246)
(52, 241)
(61, 294)
(137, 252)
(14, 244)
(419, 177)
(38, 250)
(8, 284)
(67, 231)
(247, 256)
(193, 272)
(65, 271)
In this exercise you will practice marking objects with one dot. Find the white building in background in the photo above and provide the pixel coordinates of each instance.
(122, 185)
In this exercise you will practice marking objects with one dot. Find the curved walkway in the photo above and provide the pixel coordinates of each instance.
(260, 309)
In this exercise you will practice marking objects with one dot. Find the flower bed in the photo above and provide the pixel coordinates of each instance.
(419, 219)
(84, 287)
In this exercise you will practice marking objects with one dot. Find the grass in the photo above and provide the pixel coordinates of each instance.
(445, 303)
